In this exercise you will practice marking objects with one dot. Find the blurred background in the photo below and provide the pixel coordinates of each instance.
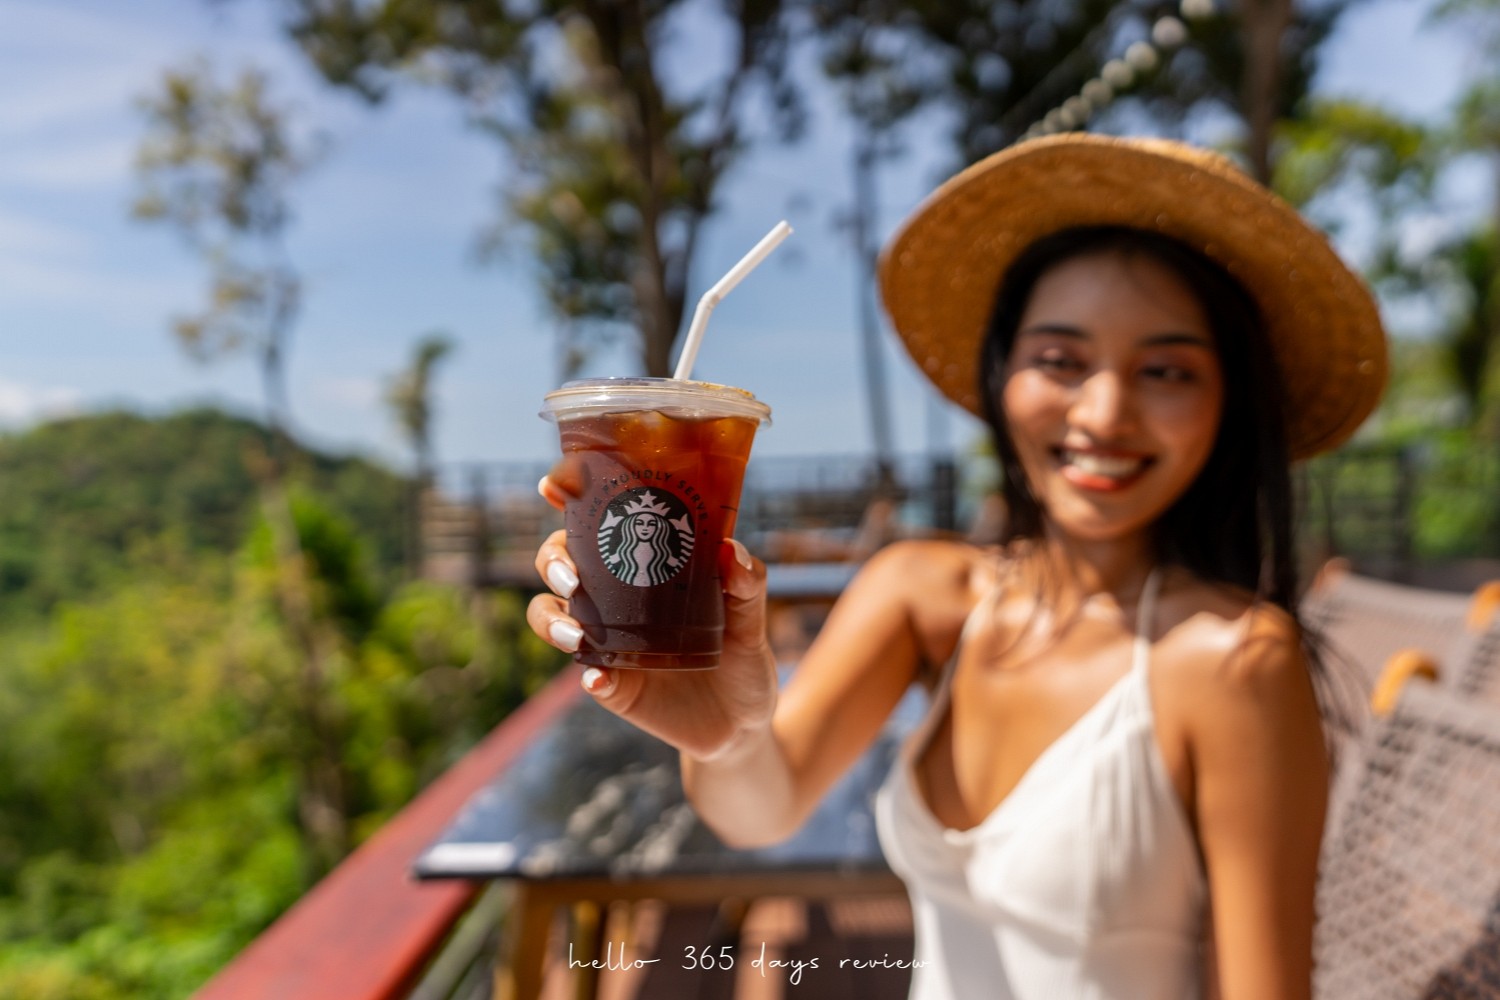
(282, 283)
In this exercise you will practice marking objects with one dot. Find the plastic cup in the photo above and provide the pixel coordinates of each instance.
(653, 467)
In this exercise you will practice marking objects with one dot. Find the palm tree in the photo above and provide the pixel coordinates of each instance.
(409, 395)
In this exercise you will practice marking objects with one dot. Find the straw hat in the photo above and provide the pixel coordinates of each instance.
(940, 273)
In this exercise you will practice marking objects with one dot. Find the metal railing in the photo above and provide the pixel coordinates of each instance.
(1392, 509)
(481, 522)
(1389, 509)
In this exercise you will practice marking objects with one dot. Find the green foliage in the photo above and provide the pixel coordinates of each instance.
(1471, 265)
(615, 162)
(1001, 68)
(1338, 141)
(86, 499)
(343, 589)
(146, 837)
(409, 395)
(1421, 398)
(1421, 493)
(1455, 516)
(151, 727)
(217, 158)
(432, 677)
(1471, 260)
(216, 164)
(1347, 160)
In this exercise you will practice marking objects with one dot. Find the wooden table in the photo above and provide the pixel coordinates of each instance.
(593, 813)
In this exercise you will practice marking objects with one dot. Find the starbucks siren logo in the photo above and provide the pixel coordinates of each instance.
(645, 539)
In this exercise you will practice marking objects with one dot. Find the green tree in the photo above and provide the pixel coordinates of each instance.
(149, 778)
(1342, 153)
(146, 839)
(1001, 68)
(881, 85)
(216, 164)
(409, 395)
(87, 501)
(1474, 257)
(614, 165)
(1347, 161)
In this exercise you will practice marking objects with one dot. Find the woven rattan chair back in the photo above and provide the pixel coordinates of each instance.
(1409, 895)
(1363, 621)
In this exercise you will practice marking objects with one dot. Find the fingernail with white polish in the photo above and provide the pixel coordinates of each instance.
(741, 554)
(541, 487)
(565, 636)
(595, 681)
(561, 578)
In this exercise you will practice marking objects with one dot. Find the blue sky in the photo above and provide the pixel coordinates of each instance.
(385, 233)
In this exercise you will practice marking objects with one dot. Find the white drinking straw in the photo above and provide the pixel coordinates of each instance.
(725, 285)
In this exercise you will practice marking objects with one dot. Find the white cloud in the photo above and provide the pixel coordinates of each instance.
(23, 404)
(67, 96)
(97, 290)
(48, 262)
(350, 390)
(60, 68)
(66, 69)
(70, 166)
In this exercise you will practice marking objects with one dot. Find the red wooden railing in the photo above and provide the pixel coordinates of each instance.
(367, 930)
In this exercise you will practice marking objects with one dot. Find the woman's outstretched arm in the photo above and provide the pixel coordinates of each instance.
(755, 764)
(766, 782)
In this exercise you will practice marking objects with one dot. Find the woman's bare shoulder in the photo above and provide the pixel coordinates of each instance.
(1228, 632)
(923, 572)
(1228, 652)
(933, 558)
(933, 583)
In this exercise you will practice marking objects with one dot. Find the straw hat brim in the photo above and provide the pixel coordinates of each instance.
(939, 274)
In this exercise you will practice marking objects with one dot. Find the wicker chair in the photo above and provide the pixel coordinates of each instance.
(1474, 674)
(1364, 621)
(1409, 896)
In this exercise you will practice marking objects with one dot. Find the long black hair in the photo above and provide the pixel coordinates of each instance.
(1233, 524)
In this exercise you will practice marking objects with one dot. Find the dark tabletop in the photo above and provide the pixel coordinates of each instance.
(594, 796)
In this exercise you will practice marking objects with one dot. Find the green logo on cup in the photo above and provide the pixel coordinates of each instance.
(646, 536)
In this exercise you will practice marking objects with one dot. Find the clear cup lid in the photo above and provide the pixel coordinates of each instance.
(674, 397)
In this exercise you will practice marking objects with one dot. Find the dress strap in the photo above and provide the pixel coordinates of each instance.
(1145, 616)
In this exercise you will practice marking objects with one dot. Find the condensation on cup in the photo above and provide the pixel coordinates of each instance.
(653, 468)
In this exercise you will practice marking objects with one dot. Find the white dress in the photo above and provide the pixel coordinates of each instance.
(1083, 884)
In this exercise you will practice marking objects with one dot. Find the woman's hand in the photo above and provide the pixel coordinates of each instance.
(703, 713)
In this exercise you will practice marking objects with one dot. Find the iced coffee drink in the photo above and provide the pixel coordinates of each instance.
(654, 467)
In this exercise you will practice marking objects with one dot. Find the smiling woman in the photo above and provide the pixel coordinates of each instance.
(1119, 790)
(1112, 387)
(1210, 348)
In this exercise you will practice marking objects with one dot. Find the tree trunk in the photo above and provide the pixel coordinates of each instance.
(323, 799)
(1264, 23)
(658, 331)
(876, 396)
(323, 805)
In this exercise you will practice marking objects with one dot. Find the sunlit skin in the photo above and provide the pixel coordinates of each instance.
(1112, 396)
(1113, 371)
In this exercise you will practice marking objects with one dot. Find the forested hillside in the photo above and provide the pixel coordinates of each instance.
(163, 737)
(81, 498)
